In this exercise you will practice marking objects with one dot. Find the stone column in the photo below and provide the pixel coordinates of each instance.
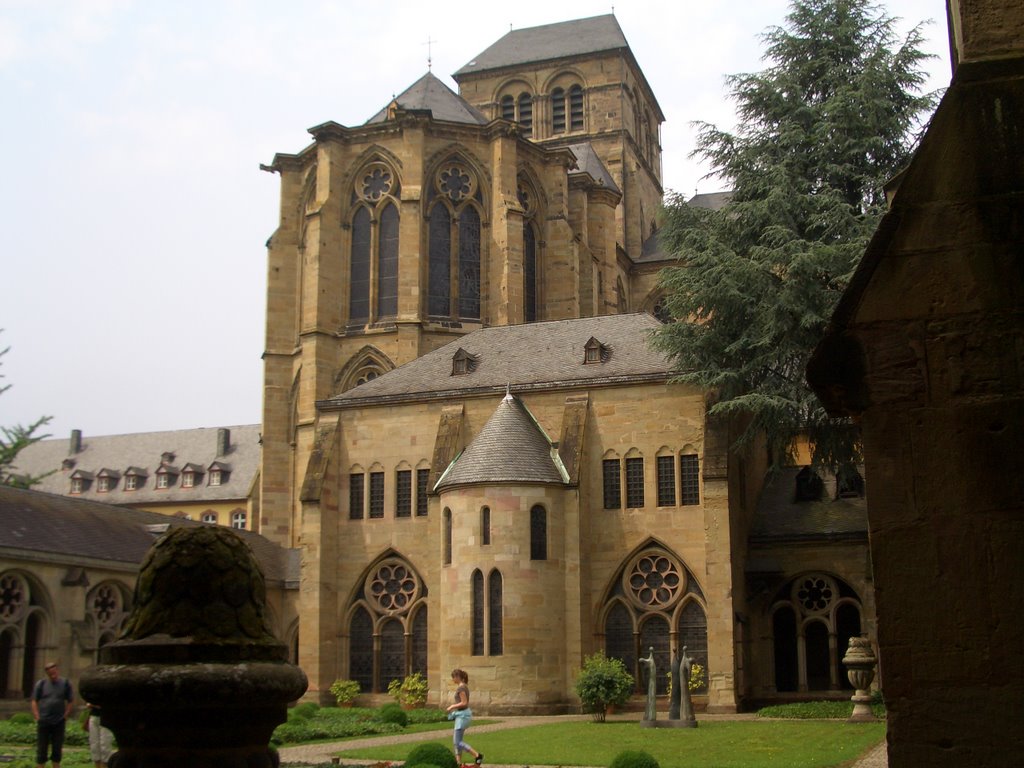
(196, 678)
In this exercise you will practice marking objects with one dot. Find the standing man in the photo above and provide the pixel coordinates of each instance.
(52, 701)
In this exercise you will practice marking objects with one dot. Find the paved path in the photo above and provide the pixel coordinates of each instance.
(320, 754)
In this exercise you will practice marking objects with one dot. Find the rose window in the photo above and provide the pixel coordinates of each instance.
(13, 597)
(455, 182)
(815, 593)
(106, 605)
(655, 580)
(377, 182)
(393, 587)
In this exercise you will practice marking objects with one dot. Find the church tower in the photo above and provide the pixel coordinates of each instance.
(529, 196)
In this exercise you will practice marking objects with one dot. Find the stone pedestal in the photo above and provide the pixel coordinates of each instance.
(860, 669)
(196, 679)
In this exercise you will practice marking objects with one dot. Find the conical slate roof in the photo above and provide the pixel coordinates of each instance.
(430, 93)
(511, 448)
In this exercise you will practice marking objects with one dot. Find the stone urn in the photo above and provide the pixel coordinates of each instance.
(860, 669)
(196, 678)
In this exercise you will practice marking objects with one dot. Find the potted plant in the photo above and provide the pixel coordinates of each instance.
(603, 683)
(410, 691)
(345, 691)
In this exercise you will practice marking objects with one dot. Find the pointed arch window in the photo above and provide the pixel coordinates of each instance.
(478, 613)
(453, 243)
(538, 533)
(529, 272)
(495, 628)
(485, 526)
(373, 254)
(447, 536)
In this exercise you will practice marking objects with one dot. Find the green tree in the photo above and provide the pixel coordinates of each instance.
(830, 119)
(13, 441)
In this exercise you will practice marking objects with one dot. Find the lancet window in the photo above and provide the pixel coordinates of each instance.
(373, 253)
(454, 258)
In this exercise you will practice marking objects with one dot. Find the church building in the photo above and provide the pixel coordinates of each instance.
(467, 434)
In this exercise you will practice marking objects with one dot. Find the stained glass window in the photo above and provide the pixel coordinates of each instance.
(538, 533)
(440, 265)
(360, 664)
(469, 263)
(387, 263)
(359, 278)
(478, 613)
(494, 619)
(529, 273)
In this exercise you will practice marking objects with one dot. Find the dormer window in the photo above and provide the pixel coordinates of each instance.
(134, 478)
(191, 476)
(219, 472)
(594, 352)
(463, 362)
(103, 485)
(67, 464)
(80, 481)
(106, 480)
(166, 476)
(808, 485)
(849, 484)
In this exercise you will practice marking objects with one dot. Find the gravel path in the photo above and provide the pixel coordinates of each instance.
(321, 754)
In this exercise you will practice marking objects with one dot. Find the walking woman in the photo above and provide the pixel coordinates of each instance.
(462, 715)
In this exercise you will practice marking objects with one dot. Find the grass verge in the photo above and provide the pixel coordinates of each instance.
(722, 744)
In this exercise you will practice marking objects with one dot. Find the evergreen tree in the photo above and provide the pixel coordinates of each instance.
(13, 441)
(822, 128)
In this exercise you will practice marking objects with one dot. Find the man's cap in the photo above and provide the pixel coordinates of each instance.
(50, 665)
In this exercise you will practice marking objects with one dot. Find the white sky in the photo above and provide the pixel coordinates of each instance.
(132, 205)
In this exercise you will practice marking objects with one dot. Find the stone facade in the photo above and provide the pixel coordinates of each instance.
(463, 254)
(925, 349)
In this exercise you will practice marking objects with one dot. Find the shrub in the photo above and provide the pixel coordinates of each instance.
(603, 681)
(345, 691)
(634, 758)
(393, 713)
(21, 718)
(303, 711)
(431, 753)
(411, 690)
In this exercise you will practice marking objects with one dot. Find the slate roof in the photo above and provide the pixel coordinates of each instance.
(511, 448)
(589, 162)
(780, 519)
(59, 527)
(550, 41)
(430, 93)
(527, 357)
(713, 201)
(143, 450)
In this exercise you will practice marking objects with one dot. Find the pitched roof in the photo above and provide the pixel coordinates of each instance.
(590, 163)
(712, 201)
(529, 356)
(550, 41)
(46, 524)
(144, 450)
(511, 448)
(779, 518)
(429, 93)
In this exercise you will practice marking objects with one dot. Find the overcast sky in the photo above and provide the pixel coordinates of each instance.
(134, 214)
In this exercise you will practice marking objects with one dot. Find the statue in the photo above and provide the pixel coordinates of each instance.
(686, 668)
(650, 710)
(673, 708)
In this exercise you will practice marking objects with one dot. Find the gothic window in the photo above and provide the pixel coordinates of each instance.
(421, 492)
(620, 297)
(447, 536)
(478, 613)
(485, 526)
(643, 612)
(355, 496)
(612, 484)
(508, 108)
(558, 110)
(403, 493)
(359, 277)
(805, 614)
(388, 626)
(689, 475)
(22, 624)
(494, 614)
(576, 108)
(634, 482)
(666, 481)
(453, 244)
(538, 533)
(373, 254)
(387, 263)
(376, 495)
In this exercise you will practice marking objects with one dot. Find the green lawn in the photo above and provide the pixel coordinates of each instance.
(719, 744)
